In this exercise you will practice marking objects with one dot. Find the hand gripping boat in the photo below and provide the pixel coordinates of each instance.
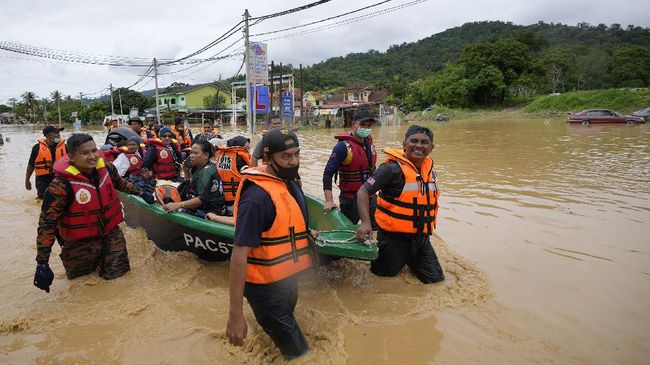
(212, 241)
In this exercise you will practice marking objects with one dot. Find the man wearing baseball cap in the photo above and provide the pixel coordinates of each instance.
(270, 246)
(49, 149)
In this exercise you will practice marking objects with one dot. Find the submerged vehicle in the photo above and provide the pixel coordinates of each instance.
(590, 116)
(212, 241)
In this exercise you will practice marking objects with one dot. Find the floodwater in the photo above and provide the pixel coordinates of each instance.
(543, 234)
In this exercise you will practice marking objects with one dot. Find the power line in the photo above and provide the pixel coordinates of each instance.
(349, 21)
(322, 20)
(221, 38)
(289, 11)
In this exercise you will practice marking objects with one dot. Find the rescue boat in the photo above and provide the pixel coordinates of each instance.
(212, 241)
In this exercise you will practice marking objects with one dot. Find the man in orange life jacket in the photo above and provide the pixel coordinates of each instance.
(163, 157)
(137, 127)
(183, 135)
(406, 209)
(353, 158)
(271, 246)
(49, 149)
(82, 205)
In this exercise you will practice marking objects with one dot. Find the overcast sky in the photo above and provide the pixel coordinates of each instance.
(170, 29)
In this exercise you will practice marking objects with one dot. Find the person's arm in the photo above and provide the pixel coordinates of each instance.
(257, 154)
(384, 175)
(30, 167)
(149, 158)
(54, 204)
(237, 329)
(120, 183)
(339, 153)
(241, 163)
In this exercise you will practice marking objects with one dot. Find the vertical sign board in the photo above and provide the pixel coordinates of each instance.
(258, 69)
(260, 95)
(287, 103)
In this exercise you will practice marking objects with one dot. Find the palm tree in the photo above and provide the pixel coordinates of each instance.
(29, 98)
(56, 97)
(13, 102)
(44, 101)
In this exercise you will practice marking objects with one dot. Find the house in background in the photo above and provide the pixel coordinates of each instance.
(187, 98)
(312, 99)
(340, 107)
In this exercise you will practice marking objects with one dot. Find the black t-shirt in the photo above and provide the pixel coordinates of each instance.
(388, 178)
(34, 154)
(256, 213)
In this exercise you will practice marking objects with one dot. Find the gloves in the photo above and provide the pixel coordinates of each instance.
(43, 277)
(147, 196)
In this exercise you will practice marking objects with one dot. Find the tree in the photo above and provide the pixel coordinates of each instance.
(135, 99)
(56, 98)
(175, 86)
(13, 102)
(95, 112)
(630, 66)
(558, 65)
(29, 99)
(214, 101)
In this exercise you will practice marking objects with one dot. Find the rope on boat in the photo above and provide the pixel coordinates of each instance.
(352, 239)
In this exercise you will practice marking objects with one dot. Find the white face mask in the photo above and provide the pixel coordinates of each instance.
(363, 132)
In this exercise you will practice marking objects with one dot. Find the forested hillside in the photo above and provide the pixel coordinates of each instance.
(488, 62)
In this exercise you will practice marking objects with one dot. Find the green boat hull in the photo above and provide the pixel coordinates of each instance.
(212, 241)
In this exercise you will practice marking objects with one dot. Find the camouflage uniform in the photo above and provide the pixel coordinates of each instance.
(82, 257)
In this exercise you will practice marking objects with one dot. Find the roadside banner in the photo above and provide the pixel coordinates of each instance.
(258, 69)
(261, 97)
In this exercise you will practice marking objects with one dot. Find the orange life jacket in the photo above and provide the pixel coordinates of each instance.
(165, 166)
(146, 134)
(44, 160)
(94, 211)
(227, 167)
(284, 248)
(167, 194)
(183, 139)
(415, 209)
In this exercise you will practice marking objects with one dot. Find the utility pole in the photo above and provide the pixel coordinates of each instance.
(119, 96)
(249, 115)
(112, 107)
(155, 75)
(272, 89)
(302, 97)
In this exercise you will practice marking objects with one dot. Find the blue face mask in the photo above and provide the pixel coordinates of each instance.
(363, 132)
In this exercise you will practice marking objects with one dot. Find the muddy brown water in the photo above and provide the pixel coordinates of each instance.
(543, 234)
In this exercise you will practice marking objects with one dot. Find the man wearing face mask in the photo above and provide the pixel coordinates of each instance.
(49, 149)
(353, 158)
(270, 246)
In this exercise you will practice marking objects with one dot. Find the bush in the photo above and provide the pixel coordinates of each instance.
(615, 99)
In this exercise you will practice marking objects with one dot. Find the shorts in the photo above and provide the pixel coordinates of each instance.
(42, 182)
(85, 256)
(399, 249)
(273, 306)
(348, 207)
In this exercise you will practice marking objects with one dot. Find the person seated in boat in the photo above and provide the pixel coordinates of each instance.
(163, 157)
(129, 162)
(140, 130)
(207, 131)
(183, 134)
(203, 192)
(275, 121)
(82, 207)
(230, 161)
(270, 246)
(407, 206)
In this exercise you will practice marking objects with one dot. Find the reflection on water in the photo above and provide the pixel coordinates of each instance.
(518, 196)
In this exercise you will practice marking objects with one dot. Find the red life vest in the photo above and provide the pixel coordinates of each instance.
(44, 160)
(227, 167)
(357, 166)
(165, 166)
(284, 248)
(94, 210)
(135, 163)
(416, 208)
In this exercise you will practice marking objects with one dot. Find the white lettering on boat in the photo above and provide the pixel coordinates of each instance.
(209, 244)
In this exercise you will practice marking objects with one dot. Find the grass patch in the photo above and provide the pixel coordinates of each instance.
(622, 100)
